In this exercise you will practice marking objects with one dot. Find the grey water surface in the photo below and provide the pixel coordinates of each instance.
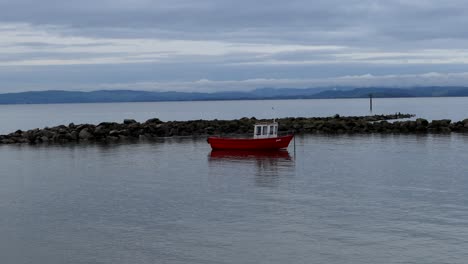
(335, 199)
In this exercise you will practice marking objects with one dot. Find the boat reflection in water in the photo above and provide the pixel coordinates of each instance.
(249, 154)
(267, 166)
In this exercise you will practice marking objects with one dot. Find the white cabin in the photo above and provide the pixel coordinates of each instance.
(266, 130)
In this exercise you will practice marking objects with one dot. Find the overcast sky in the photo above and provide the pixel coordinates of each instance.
(210, 45)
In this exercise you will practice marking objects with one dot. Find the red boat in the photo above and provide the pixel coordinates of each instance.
(265, 138)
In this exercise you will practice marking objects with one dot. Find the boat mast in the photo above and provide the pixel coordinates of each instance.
(274, 114)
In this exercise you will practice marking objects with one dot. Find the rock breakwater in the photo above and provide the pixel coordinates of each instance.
(155, 128)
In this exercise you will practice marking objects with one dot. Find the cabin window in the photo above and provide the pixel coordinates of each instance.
(258, 130)
(276, 130)
(272, 128)
(265, 130)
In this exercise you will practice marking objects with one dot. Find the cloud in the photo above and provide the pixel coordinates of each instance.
(26, 45)
(356, 81)
(364, 22)
(25, 39)
(178, 41)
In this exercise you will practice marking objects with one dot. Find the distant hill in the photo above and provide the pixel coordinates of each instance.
(394, 92)
(107, 96)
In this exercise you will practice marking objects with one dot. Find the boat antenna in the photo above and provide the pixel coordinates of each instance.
(274, 114)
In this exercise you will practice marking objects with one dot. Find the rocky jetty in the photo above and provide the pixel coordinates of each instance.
(155, 128)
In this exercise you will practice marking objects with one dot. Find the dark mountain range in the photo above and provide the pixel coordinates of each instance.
(394, 92)
(106, 96)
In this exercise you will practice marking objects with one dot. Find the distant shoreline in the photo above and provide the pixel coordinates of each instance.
(133, 96)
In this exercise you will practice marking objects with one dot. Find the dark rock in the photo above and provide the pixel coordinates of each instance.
(85, 134)
(209, 130)
(47, 133)
(441, 123)
(421, 122)
(173, 131)
(21, 140)
(114, 133)
(129, 121)
(100, 130)
(62, 138)
(123, 132)
(107, 124)
(153, 121)
(74, 135)
(81, 127)
(8, 141)
(131, 129)
(445, 130)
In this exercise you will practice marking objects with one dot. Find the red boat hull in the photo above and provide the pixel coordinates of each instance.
(250, 143)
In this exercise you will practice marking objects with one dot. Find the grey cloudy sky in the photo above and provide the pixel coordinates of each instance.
(210, 45)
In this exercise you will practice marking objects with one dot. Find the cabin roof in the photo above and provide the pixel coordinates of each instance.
(266, 123)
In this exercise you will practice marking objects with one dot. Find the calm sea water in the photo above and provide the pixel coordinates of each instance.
(13, 117)
(331, 199)
(340, 199)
